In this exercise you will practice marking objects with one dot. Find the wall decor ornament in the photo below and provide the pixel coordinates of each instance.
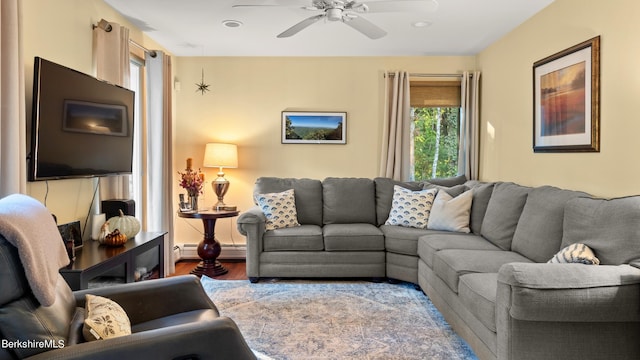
(314, 127)
(202, 87)
(566, 100)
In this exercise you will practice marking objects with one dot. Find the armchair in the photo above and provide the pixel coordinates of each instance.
(171, 318)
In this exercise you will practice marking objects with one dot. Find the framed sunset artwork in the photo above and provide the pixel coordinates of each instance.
(566, 99)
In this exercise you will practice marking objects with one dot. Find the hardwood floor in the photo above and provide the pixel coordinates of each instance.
(237, 269)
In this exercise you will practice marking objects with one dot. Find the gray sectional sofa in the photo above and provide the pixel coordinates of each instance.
(493, 284)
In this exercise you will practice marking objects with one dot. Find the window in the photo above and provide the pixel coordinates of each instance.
(435, 130)
(136, 78)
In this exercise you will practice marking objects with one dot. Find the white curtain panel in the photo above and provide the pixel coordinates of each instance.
(112, 63)
(395, 160)
(468, 156)
(12, 107)
(158, 178)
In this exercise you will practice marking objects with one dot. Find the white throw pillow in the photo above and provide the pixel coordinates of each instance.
(575, 253)
(279, 209)
(411, 208)
(451, 213)
(104, 319)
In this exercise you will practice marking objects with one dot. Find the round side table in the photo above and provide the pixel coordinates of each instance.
(209, 248)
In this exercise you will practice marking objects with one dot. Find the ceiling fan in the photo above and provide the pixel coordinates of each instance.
(346, 12)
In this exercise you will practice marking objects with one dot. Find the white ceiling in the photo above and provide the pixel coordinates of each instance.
(195, 27)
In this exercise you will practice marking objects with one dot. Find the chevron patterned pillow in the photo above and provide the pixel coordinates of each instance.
(575, 253)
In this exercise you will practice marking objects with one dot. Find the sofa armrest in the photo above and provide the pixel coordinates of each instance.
(179, 294)
(251, 224)
(569, 292)
(218, 339)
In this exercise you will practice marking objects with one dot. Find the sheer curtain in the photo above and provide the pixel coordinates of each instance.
(468, 156)
(12, 108)
(395, 160)
(159, 175)
(112, 63)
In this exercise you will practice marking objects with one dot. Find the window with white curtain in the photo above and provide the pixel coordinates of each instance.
(435, 128)
(136, 79)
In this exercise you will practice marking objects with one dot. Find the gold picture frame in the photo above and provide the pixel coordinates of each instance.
(566, 100)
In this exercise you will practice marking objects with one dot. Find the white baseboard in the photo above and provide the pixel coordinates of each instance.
(229, 252)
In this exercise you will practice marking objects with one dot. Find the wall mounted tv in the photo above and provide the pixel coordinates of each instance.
(80, 126)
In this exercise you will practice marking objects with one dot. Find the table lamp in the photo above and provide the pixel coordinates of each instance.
(221, 156)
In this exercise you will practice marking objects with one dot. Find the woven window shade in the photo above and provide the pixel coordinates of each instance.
(435, 93)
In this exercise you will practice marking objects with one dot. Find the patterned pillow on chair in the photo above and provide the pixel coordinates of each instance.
(279, 209)
(411, 208)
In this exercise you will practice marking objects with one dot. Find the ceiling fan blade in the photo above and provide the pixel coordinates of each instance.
(300, 26)
(400, 6)
(283, 3)
(366, 27)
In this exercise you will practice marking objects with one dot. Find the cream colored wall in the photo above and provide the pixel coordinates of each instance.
(507, 96)
(61, 31)
(244, 105)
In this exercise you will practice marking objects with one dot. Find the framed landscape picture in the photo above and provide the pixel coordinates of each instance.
(314, 127)
(566, 100)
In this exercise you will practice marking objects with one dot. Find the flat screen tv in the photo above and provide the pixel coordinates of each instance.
(80, 126)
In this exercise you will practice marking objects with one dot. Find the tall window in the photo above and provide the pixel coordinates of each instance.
(136, 79)
(435, 130)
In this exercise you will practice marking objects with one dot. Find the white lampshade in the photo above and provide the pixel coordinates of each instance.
(221, 155)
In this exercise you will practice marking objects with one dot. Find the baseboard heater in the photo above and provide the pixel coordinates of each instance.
(229, 252)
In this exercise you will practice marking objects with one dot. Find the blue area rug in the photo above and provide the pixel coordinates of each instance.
(307, 319)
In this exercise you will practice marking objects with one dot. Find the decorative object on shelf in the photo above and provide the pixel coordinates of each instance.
(111, 238)
(221, 156)
(192, 181)
(566, 100)
(202, 87)
(127, 224)
(317, 127)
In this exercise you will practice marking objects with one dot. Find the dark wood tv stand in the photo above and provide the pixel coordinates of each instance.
(93, 259)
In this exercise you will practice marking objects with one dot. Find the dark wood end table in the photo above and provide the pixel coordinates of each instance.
(209, 248)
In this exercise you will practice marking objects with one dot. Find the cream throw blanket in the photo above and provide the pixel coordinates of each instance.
(29, 226)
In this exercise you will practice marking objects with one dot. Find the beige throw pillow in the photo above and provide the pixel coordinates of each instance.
(450, 213)
(104, 319)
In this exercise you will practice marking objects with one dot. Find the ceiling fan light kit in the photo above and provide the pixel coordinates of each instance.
(345, 11)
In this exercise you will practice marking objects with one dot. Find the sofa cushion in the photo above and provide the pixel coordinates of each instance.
(429, 245)
(301, 238)
(308, 195)
(384, 195)
(279, 209)
(352, 237)
(348, 200)
(450, 213)
(403, 240)
(503, 212)
(481, 196)
(449, 181)
(610, 227)
(575, 254)
(478, 293)
(411, 208)
(539, 231)
(450, 264)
